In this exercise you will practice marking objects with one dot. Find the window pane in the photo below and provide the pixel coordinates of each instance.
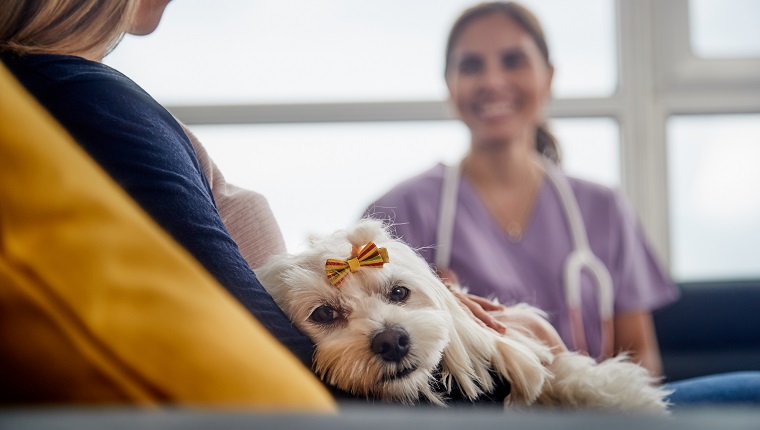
(590, 148)
(242, 51)
(295, 165)
(714, 196)
(725, 28)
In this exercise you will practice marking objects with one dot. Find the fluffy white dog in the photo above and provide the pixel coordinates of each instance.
(385, 326)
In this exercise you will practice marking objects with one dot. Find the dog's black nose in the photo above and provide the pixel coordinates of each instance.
(391, 344)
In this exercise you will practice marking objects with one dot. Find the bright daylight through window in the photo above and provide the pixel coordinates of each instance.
(293, 97)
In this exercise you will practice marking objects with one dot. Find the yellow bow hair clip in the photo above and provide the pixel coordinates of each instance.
(369, 256)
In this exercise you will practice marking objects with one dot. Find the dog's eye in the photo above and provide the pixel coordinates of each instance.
(324, 314)
(399, 294)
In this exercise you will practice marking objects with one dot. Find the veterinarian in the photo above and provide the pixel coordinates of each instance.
(499, 221)
(507, 222)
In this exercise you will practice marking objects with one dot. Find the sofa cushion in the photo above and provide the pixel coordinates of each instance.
(99, 305)
(713, 328)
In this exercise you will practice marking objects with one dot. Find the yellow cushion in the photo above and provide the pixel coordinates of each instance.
(99, 305)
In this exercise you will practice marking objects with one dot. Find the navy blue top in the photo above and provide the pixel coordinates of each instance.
(145, 150)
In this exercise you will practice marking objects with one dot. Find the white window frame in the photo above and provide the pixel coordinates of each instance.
(661, 77)
(658, 77)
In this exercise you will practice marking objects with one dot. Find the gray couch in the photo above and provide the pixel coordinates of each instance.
(713, 328)
(375, 418)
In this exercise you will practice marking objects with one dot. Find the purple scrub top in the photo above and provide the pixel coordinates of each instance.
(489, 264)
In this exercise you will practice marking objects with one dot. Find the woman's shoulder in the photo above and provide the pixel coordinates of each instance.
(591, 188)
(88, 97)
(408, 198)
(74, 89)
(51, 71)
(593, 192)
(600, 201)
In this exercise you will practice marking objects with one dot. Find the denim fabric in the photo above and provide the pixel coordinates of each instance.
(735, 388)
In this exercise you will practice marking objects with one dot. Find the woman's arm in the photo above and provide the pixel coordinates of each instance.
(634, 333)
(641, 286)
(245, 213)
(142, 147)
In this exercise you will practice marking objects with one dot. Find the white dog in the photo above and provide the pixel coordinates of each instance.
(384, 323)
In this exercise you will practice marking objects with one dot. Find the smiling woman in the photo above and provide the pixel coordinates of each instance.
(475, 54)
(503, 203)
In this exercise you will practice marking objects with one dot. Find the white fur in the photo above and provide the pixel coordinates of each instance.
(443, 336)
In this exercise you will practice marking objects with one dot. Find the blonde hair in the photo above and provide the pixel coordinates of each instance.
(63, 26)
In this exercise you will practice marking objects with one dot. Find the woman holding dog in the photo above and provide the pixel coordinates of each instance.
(55, 48)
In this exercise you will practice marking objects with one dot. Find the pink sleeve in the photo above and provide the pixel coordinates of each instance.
(245, 213)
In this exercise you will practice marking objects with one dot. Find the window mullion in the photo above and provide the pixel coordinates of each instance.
(642, 123)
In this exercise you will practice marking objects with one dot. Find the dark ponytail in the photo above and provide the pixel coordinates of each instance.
(546, 144)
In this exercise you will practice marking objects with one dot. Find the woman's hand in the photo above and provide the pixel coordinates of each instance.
(531, 323)
(478, 306)
(498, 317)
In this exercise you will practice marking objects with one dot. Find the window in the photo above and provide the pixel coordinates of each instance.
(640, 88)
(708, 96)
(590, 148)
(342, 50)
(301, 167)
(294, 165)
(709, 20)
(714, 179)
(331, 78)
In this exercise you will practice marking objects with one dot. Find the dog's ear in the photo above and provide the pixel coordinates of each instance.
(312, 239)
(273, 275)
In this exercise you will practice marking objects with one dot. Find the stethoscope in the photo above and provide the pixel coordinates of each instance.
(579, 259)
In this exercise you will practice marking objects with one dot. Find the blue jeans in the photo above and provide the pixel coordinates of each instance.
(734, 388)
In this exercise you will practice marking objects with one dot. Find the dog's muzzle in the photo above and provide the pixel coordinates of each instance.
(391, 344)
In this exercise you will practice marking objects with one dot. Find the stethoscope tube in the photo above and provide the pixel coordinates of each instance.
(580, 258)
